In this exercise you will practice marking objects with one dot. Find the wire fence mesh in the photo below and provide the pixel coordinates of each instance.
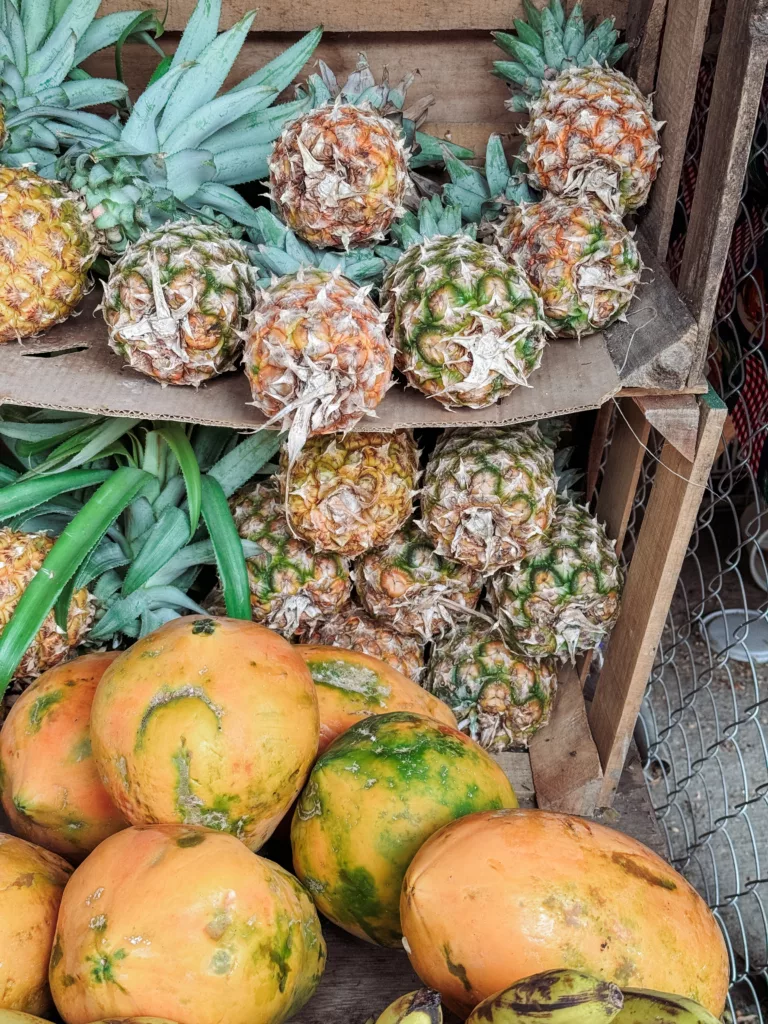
(704, 723)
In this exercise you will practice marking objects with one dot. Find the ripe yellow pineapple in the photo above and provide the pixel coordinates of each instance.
(21, 556)
(354, 630)
(316, 354)
(338, 175)
(350, 492)
(590, 126)
(47, 245)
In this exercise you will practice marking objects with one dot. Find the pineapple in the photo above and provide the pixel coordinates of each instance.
(292, 587)
(354, 630)
(499, 698)
(176, 302)
(408, 585)
(21, 556)
(338, 175)
(351, 492)
(590, 126)
(42, 89)
(564, 598)
(47, 245)
(183, 147)
(467, 325)
(489, 495)
(316, 354)
(581, 259)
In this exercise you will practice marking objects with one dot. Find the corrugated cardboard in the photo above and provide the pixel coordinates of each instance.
(73, 368)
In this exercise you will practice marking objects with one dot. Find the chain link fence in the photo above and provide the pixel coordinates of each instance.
(703, 729)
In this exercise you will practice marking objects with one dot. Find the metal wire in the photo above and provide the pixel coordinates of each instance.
(704, 722)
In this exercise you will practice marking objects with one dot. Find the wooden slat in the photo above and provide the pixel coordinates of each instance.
(564, 759)
(517, 767)
(469, 100)
(673, 102)
(596, 448)
(733, 108)
(650, 585)
(645, 26)
(622, 470)
(677, 420)
(366, 15)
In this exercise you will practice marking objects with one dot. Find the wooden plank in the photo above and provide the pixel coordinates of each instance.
(456, 70)
(632, 811)
(564, 759)
(684, 32)
(517, 768)
(650, 585)
(677, 420)
(622, 470)
(368, 15)
(645, 26)
(596, 448)
(656, 345)
(732, 112)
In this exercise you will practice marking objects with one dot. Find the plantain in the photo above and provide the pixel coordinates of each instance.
(560, 997)
(642, 1006)
(420, 1007)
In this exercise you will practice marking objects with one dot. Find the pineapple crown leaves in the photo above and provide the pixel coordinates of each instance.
(548, 43)
(433, 217)
(361, 89)
(485, 194)
(42, 88)
(276, 251)
(184, 147)
(126, 501)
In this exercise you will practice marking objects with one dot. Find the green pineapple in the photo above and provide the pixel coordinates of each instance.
(564, 598)
(184, 147)
(176, 302)
(42, 88)
(489, 494)
(292, 587)
(500, 699)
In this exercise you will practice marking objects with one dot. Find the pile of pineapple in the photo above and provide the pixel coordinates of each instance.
(353, 272)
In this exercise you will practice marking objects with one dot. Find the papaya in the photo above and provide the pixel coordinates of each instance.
(498, 897)
(351, 686)
(375, 795)
(32, 882)
(51, 790)
(16, 1017)
(206, 721)
(184, 923)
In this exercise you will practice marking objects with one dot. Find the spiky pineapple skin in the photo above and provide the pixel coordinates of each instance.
(176, 302)
(580, 257)
(292, 587)
(338, 175)
(499, 698)
(592, 128)
(467, 326)
(355, 630)
(47, 245)
(316, 354)
(489, 494)
(21, 557)
(565, 598)
(351, 492)
(405, 582)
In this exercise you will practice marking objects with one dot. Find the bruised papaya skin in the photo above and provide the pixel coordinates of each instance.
(206, 721)
(351, 686)
(186, 924)
(373, 797)
(51, 789)
(32, 881)
(499, 897)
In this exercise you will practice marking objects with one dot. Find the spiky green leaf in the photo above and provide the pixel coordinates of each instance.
(230, 560)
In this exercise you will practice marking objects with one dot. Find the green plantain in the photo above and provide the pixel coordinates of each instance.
(562, 997)
(420, 1007)
(642, 1006)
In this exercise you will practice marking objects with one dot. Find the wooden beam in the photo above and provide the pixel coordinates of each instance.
(730, 125)
(564, 760)
(679, 62)
(622, 470)
(597, 447)
(676, 419)
(645, 25)
(650, 586)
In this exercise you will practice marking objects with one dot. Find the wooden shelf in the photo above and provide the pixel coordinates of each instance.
(73, 368)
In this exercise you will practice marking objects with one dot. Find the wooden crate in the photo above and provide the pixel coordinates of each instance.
(661, 349)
